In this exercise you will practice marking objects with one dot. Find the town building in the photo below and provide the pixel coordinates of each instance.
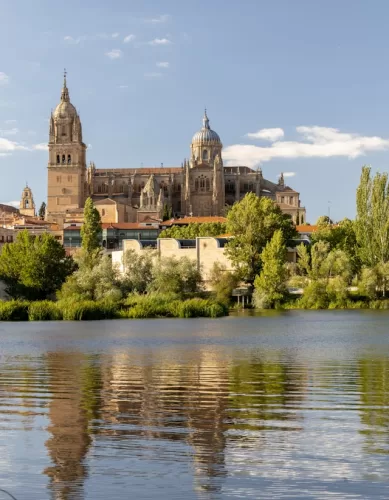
(201, 186)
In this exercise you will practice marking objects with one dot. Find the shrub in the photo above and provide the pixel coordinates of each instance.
(194, 308)
(87, 310)
(44, 310)
(14, 310)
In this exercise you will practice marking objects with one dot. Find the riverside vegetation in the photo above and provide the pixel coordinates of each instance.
(346, 265)
(46, 284)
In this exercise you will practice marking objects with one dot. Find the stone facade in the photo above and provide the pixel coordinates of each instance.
(201, 186)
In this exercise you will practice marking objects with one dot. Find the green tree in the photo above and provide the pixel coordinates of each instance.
(324, 274)
(171, 275)
(100, 281)
(166, 212)
(324, 221)
(91, 228)
(252, 222)
(34, 267)
(222, 282)
(372, 231)
(194, 230)
(138, 271)
(270, 284)
(340, 237)
(42, 211)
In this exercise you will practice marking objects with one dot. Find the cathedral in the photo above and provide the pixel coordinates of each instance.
(201, 186)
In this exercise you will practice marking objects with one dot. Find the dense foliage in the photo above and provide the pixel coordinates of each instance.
(34, 267)
(192, 231)
(270, 284)
(253, 222)
(91, 228)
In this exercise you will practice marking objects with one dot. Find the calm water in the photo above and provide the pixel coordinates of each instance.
(280, 406)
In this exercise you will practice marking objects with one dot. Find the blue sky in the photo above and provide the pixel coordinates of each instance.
(140, 74)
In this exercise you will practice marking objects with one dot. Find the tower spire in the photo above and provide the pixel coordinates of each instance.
(65, 91)
(205, 119)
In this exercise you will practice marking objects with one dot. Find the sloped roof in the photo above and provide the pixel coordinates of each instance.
(305, 228)
(105, 201)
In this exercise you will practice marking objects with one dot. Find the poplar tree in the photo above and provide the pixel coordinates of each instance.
(91, 228)
(270, 285)
(42, 211)
(372, 221)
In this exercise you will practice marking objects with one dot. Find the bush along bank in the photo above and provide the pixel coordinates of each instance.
(135, 307)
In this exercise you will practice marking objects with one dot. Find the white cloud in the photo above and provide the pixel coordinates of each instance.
(123, 86)
(8, 147)
(267, 134)
(317, 142)
(158, 20)
(114, 54)
(40, 147)
(74, 41)
(289, 174)
(163, 64)
(4, 79)
(160, 41)
(8, 122)
(129, 38)
(14, 203)
(153, 75)
(115, 35)
(11, 131)
(89, 146)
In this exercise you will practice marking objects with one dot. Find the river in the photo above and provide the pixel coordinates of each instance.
(289, 405)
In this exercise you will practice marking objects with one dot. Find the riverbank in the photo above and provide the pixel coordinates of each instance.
(134, 307)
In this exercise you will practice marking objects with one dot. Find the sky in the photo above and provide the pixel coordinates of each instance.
(298, 87)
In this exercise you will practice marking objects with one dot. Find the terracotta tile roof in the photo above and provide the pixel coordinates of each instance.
(305, 228)
(192, 220)
(126, 225)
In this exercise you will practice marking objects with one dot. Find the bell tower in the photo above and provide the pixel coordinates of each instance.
(27, 205)
(67, 160)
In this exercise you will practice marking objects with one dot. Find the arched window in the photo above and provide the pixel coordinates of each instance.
(58, 160)
(207, 183)
(205, 154)
(69, 159)
(63, 158)
(102, 212)
(26, 204)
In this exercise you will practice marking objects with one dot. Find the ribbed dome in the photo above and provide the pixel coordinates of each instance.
(206, 134)
(65, 108)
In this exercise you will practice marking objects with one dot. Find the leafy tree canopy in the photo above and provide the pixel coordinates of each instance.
(192, 231)
(253, 222)
(34, 267)
(270, 285)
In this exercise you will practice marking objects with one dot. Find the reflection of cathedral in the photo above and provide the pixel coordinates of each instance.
(201, 186)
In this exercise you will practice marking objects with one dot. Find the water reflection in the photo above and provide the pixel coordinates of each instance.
(221, 419)
(69, 379)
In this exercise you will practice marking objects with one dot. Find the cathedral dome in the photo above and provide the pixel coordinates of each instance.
(206, 134)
